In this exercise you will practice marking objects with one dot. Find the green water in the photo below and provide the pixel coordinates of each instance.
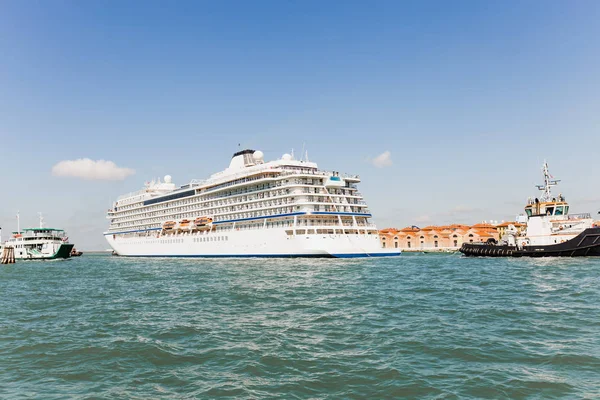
(428, 326)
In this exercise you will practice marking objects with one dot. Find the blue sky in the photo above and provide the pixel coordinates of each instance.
(467, 97)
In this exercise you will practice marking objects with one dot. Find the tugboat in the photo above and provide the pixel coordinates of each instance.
(551, 231)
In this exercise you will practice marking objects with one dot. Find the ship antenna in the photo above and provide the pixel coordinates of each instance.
(41, 219)
(549, 181)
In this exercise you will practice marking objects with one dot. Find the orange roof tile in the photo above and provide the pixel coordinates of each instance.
(409, 229)
(483, 225)
(506, 224)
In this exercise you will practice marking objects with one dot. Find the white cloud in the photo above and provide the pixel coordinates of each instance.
(383, 160)
(85, 168)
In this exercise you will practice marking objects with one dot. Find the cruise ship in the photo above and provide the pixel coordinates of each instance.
(280, 208)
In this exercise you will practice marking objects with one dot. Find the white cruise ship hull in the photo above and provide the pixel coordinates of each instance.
(249, 243)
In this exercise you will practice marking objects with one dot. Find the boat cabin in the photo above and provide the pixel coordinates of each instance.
(32, 234)
(554, 207)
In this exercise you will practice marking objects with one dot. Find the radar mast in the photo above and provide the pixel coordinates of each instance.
(549, 181)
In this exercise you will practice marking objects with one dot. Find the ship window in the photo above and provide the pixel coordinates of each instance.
(566, 210)
(559, 210)
(549, 210)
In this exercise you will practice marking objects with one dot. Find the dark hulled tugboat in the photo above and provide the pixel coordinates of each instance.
(551, 231)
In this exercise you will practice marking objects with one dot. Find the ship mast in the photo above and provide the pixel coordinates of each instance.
(549, 181)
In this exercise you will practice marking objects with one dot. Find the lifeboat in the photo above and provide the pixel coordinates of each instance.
(185, 225)
(169, 225)
(203, 222)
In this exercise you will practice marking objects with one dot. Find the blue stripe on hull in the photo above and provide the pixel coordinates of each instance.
(363, 255)
(350, 255)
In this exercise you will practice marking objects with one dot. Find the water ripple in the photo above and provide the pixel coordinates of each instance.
(428, 326)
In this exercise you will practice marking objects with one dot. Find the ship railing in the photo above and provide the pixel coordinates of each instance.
(580, 216)
(319, 173)
(238, 178)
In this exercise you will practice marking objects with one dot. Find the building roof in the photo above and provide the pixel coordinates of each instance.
(506, 224)
(483, 225)
(482, 230)
(410, 229)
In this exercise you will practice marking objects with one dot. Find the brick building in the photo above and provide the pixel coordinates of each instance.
(443, 237)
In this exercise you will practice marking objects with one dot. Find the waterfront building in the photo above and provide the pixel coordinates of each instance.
(444, 237)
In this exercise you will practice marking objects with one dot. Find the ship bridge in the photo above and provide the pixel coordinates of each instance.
(557, 206)
(547, 204)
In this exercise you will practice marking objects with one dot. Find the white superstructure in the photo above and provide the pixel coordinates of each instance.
(281, 208)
